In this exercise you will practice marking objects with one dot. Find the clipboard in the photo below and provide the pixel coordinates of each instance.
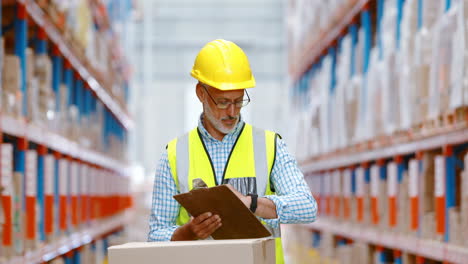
(238, 222)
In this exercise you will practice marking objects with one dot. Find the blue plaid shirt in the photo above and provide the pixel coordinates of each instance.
(293, 200)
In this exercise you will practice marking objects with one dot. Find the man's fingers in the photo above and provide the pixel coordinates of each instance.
(207, 227)
(213, 226)
(199, 219)
(209, 221)
(210, 229)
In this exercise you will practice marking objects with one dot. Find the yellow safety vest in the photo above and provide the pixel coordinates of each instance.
(248, 168)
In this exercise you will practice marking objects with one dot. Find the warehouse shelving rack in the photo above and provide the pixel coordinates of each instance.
(349, 157)
(41, 136)
(378, 150)
(74, 241)
(46, 141)
(430, 249)
(315, 48)
(85, 72)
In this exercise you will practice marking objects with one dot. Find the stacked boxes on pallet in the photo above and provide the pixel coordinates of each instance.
(367, 86)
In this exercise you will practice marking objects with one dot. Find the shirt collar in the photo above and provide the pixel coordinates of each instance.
(233, 134)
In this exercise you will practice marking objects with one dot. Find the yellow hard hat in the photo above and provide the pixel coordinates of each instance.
(223, 65)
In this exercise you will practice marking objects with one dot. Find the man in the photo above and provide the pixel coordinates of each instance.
(224, 150)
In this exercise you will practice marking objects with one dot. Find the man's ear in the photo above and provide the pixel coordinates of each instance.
(199, 92)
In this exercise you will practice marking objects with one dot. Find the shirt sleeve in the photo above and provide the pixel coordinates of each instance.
(293, 199)
(164, 209)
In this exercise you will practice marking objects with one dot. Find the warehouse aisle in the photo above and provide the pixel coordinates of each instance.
(369, 96)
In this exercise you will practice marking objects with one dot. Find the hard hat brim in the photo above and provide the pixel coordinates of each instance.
(225, 86)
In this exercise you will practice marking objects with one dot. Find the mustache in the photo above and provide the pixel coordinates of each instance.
(230, 118)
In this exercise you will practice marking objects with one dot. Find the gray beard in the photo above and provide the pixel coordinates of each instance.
(218, 123)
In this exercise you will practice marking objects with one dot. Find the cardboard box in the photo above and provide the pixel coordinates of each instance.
(254, 251)
(11, 85)
(361, 253)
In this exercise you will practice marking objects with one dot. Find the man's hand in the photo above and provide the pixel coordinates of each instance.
(199, 227)
(204, 225)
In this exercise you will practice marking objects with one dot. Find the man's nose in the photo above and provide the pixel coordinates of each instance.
(231, 110)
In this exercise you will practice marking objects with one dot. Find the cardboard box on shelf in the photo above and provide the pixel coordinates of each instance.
(33, 102)
(408, 92)
(422, 89)
(46, 97)
(458, 56)
(454, 226)
(73, 126)
(43, 69)
(422, 62)
(352, 105)
(86, 256)
(439, 96)
(247, 251)
(32, 83)
(426, 195)
(373, 98)
(361, 253)
(30, 65)
(431, 11)
(390, 91)
(62, 121)
(344, 253)
(11, 84)
(327, 245)
(428, 226)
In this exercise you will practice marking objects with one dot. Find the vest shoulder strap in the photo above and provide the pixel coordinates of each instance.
(171, 157)
(261, 160)
(178, 156)
(271, 138)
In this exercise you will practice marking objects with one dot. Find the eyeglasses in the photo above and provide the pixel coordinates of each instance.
(225, 103)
